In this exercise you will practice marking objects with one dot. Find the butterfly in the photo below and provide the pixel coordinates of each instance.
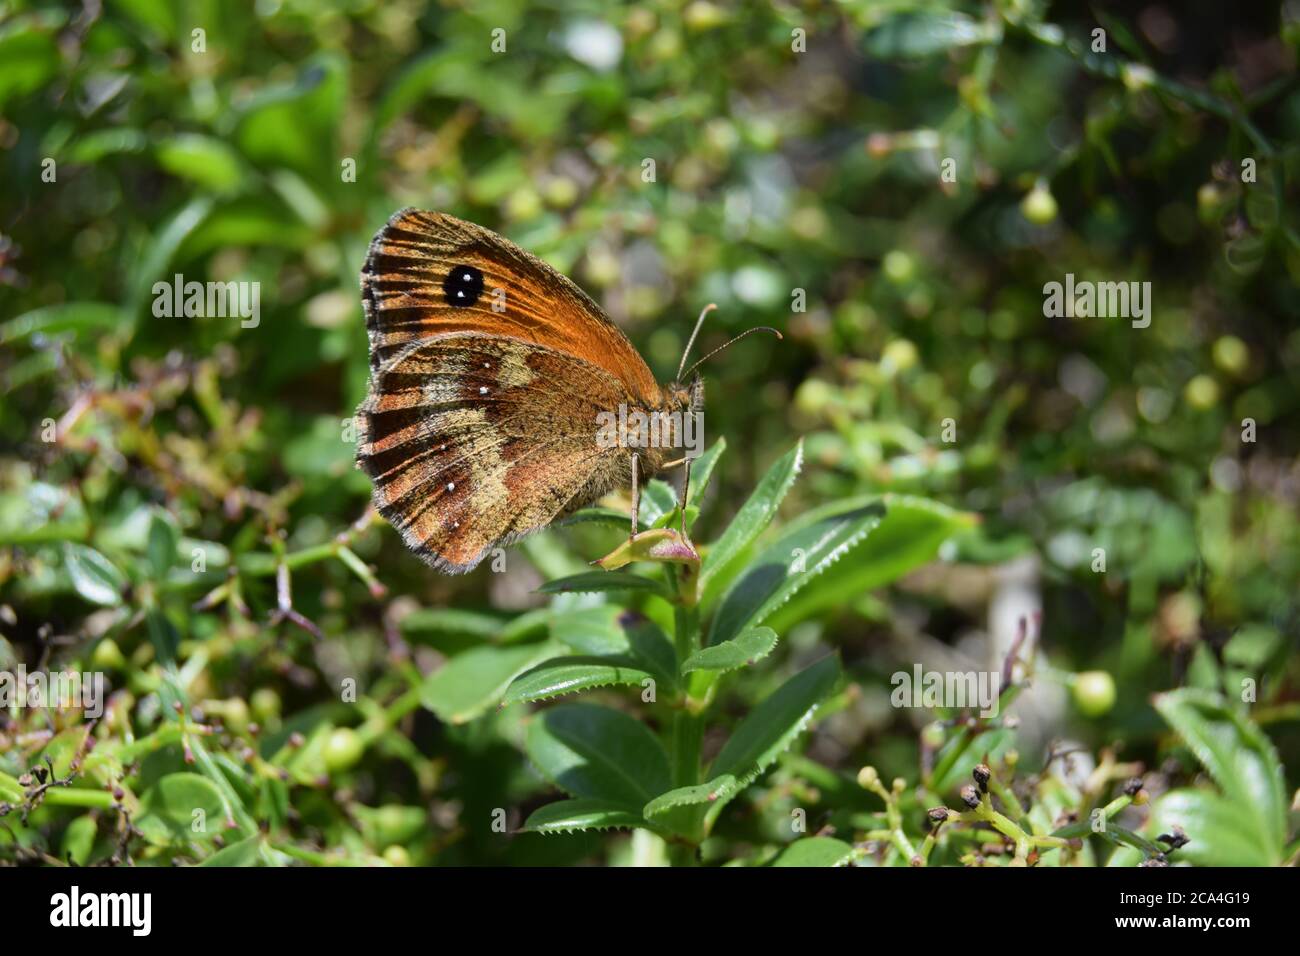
(493, 384)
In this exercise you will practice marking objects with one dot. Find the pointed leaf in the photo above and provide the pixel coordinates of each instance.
(882, 539)
(598, 753)
(755, 514)
(164, 537)
(95, 577)
(773, 725)
(909, 535)
(567, 816)
(611, 631)
(702, 471)
(570, 675)
(472, 682)
(601, 581)
(753, 645)
(719, 789)
(1239, 757)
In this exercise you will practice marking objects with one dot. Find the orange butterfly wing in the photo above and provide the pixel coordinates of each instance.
(404, 296)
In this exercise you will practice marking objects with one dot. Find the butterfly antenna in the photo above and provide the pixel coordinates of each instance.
(758, 328)
(689, 345)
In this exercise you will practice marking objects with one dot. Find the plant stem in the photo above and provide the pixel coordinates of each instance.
(688, 726)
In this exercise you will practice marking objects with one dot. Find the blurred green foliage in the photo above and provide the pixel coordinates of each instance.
(890, 184)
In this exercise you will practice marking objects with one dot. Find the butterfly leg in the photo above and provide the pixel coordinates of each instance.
(636, 493)
(686, 489)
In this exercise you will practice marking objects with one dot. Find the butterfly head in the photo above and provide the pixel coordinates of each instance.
(687, 396)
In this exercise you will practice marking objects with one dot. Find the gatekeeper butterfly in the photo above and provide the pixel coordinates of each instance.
(493, 382)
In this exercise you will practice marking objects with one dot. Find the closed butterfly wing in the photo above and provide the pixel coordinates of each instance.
(428, 273)
(468, 451)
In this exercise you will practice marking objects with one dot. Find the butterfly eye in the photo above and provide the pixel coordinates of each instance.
(463, 286)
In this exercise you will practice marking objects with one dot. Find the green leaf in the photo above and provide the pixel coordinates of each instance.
(205, 160)
(814, 851)
(723, 558)
(93, 576)
(570, 675)
(472, 682)
(599, 514)
(294, 125)
(887, 538)
(151, 265)
(1239, 757)
(657, 502)
(773, 725)
(247, 852)
(909, 536)
(164, 538)
(30, 58)
(1218, 831)
(567, 816)
(702, 471)
(603, 581)
(611, 631)
(182, 807)
(598, 753)
(717, 791)
(918, 34)
(87, 317)
(753, 645)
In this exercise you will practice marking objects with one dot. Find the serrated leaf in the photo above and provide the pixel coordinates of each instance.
(610, 631)
(1218, 831)
(720, 789)
(603, 581)
(702, 471)
(772, 726)
(753, 645)
(93, 576)
(598, 514)
(598, 753)
(567, 816)
(1239, 757)
(814, 851)
(472, 682)
(570, 675)
(882, 540)
(723, 558)
(909, 536)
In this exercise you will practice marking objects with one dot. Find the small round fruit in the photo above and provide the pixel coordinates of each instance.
(396, 855)
(343, 748)
(1039, 205)
(1094, 693)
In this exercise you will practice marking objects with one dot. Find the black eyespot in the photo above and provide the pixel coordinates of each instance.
(463, 286)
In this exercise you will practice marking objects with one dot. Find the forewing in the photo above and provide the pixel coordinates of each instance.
(473, 440)
(403, 291)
